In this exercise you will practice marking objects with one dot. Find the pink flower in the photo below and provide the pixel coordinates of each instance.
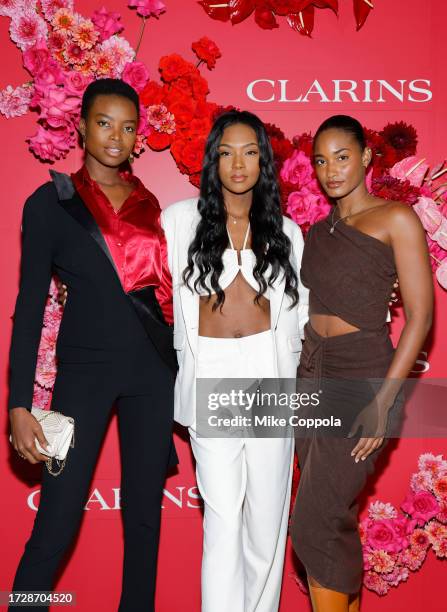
(422, 481)
(399, 574)
(64, 21)
(8, 8)
(387, 534)
(142, 123)
(27, 27)
(429, 214)
(440, 548)
(140, 141)
(146, 8)
(52, 315)
(75, 83)
(49, 75)
(297, 169)
(74, 53)
(378, 510)
(84, 34)
(440, 235)
(41, 397)
(119, 52)
(107, 23)
(376, 583)
(105, 64)
(380, 561)
(306, 206)
(436, 531)
(419, 539)
(421, 506)
(46, 362)
(442, 514)
(57, 41)
(36, 57)
(413, 558)
(440, 488)
(15, 102)
(51, 144)
(435, 464)
(50, 7)
(161, 119)
(136, 74)
(56, 107)
(407, 170)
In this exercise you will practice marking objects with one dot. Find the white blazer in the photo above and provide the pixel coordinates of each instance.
(179, 222)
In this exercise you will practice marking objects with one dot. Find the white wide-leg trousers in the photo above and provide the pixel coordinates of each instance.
(245, 484)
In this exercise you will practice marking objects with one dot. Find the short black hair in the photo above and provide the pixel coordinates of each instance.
(108, 87)
(347, 124)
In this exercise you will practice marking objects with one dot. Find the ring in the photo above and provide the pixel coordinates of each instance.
(21, 456)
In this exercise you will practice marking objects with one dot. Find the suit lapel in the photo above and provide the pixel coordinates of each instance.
(72, 203)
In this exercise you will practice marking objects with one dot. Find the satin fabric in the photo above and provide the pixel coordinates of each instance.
(133, 235)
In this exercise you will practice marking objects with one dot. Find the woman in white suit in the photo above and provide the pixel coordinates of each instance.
(239, 311)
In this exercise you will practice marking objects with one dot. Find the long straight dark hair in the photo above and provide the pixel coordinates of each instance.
(269, 243)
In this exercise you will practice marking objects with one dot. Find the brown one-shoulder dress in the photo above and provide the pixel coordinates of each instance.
(350, 274)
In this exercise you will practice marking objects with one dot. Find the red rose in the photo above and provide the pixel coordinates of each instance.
(194, 179)
(152, 94)
(282, 149)
(158, 141)
(207, 51)
(188, 155)
(174, 66)
(183, 112)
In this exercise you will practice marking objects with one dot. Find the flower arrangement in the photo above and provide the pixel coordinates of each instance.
(300, 14)
(397, 543)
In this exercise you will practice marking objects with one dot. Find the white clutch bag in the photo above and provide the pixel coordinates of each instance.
(58, 429)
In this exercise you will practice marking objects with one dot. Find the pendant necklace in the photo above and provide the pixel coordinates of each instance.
(333, 225)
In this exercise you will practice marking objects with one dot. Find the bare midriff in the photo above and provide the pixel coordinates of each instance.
(240, 315)
(331, 325)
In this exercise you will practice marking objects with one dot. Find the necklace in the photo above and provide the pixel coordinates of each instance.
(333, 225)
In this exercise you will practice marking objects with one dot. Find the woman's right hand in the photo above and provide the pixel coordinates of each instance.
(25, 428)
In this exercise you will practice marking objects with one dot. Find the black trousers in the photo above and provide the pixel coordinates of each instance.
(88, 383)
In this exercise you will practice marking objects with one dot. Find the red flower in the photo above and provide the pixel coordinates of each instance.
(207, 51)
(265, 18)
(174, 66)
(152, 94)
(159, 140)
(304, 143)
(183, 112)
(188, 155)
(383, 155)
(282, 149)
(390, 188)
(402, 137)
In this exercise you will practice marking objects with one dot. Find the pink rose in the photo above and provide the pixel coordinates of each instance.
(75, 83)
(106, 23)
(57, 107)
(36, 57)
(297, 169)
(387, 535)
(48, 75)
(306, 206)
(421, 506)
(136, 75)
(429, 214)
(51, 144)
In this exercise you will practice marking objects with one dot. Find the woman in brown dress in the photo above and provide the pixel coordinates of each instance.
(350, 262)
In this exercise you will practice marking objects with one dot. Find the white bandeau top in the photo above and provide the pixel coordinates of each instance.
(232, 267)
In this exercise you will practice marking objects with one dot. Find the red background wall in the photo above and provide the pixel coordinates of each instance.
(404, 39)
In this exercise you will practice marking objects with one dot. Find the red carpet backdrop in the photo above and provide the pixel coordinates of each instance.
(293, 63)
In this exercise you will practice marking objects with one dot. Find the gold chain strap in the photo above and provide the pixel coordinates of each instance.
(49, 461)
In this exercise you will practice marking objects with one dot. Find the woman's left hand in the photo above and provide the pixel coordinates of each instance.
(372, 422)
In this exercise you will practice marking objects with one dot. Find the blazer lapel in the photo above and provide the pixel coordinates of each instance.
(74, 206)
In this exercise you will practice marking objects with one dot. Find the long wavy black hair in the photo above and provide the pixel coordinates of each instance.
(269, 243)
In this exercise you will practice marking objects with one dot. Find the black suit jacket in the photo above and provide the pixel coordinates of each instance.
(59, 235)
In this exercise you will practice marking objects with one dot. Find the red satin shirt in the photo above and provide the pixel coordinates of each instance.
(134, 236)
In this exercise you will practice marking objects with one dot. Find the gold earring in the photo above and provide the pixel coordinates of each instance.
(83, 144)
(131, 158)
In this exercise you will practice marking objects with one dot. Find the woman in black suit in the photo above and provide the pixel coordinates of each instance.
(99, 231)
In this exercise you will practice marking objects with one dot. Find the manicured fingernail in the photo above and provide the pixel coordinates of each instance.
(357, 460)
(363, 458)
